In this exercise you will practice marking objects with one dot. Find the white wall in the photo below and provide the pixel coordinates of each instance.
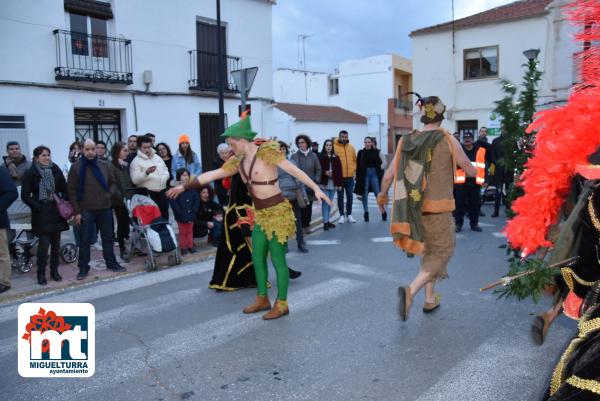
(365, 87)
(439, 72)
(305, 87)
(286, 128)
(49, 115)
(162, 33)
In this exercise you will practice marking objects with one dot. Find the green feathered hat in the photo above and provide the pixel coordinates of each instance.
(241, 130)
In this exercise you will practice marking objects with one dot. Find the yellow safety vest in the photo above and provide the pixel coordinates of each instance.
(461, 177)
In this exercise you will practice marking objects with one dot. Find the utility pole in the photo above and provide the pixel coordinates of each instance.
(220, 72)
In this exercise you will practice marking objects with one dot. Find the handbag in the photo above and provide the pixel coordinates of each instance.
(301, 197)
(65, 208)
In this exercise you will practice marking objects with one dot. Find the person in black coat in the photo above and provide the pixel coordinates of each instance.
(40, 182)
(368, 175)
(210, 216)
(185, 208)
(8, 194)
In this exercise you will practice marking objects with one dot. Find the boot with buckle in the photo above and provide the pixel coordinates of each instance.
(280, 308)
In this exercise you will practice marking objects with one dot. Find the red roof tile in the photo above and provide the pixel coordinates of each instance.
(509, 12)
(332, 114)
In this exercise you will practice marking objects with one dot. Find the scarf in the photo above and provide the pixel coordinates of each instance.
(47, 181)
(410, 181)
(305, 153)
(93, 164)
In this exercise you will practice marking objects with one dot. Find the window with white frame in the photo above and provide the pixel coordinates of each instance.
(481, 62)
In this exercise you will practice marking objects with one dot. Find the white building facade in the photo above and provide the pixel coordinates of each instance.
(464, 66)
(77, 69)
(364, 86)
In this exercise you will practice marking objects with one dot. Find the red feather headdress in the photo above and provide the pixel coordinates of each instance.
(566, 136)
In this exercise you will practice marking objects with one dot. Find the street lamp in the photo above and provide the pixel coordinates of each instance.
(531, 54)
(243, 80)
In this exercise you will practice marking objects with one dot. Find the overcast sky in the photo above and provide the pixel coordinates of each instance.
(345, 29)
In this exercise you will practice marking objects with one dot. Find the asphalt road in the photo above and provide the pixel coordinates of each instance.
(166, 336)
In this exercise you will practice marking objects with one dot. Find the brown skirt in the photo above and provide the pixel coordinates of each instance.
(439, 243)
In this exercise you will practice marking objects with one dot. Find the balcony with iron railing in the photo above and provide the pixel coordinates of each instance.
(93, 58)
(204, 71)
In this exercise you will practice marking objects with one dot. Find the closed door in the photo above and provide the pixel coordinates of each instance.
(209, 139)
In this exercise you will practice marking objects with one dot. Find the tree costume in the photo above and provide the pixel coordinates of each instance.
(421, 218)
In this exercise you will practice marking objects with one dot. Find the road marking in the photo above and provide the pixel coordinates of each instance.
(324, 242)
(138, 310)
(361, 270)
(110, 287)
(490, 371)
(197, 339)
(382, 239)
(487, 225)
(499, 235)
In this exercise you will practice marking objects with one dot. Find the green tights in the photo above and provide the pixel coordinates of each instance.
(260, 248)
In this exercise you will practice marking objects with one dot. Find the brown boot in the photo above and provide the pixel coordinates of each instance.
(279, 309)
(260, 304)
(539, 328)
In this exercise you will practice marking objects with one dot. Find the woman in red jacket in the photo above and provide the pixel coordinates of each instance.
(331, 178)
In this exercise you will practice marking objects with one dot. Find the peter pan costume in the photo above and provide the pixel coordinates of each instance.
(274, 221)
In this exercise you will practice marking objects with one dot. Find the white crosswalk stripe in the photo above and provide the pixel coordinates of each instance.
(490, 371)
(185, 342)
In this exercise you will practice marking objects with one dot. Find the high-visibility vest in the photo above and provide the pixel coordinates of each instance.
(461, 177)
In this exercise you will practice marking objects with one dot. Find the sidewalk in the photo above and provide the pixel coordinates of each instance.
(24, 285)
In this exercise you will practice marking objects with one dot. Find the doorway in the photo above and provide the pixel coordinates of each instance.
(209, 139)
(98, 125)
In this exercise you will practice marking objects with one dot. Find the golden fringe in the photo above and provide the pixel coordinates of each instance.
(278, 220)
(270, 153)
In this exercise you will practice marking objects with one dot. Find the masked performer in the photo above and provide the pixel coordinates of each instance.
(257, 163)
(422, 172)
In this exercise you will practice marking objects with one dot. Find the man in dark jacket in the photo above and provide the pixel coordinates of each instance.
(8, 194)
(15, 162)
(91, 186)
(502, 177)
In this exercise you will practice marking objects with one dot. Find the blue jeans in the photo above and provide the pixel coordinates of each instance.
(103, 220)
(371, 181)
(348, 187)
(325, 208)
(216, 232)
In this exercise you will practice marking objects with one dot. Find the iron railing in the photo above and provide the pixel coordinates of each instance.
(95, 58)
(403, 104)
(204, 71)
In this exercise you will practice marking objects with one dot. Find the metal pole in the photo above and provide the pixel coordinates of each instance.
(243, 90)
(220, 72)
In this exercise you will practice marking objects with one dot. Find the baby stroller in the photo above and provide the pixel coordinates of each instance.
(151, 232)
(22, 242)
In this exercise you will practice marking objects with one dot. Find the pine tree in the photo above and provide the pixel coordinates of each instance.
(518, 145)
(516, 116)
